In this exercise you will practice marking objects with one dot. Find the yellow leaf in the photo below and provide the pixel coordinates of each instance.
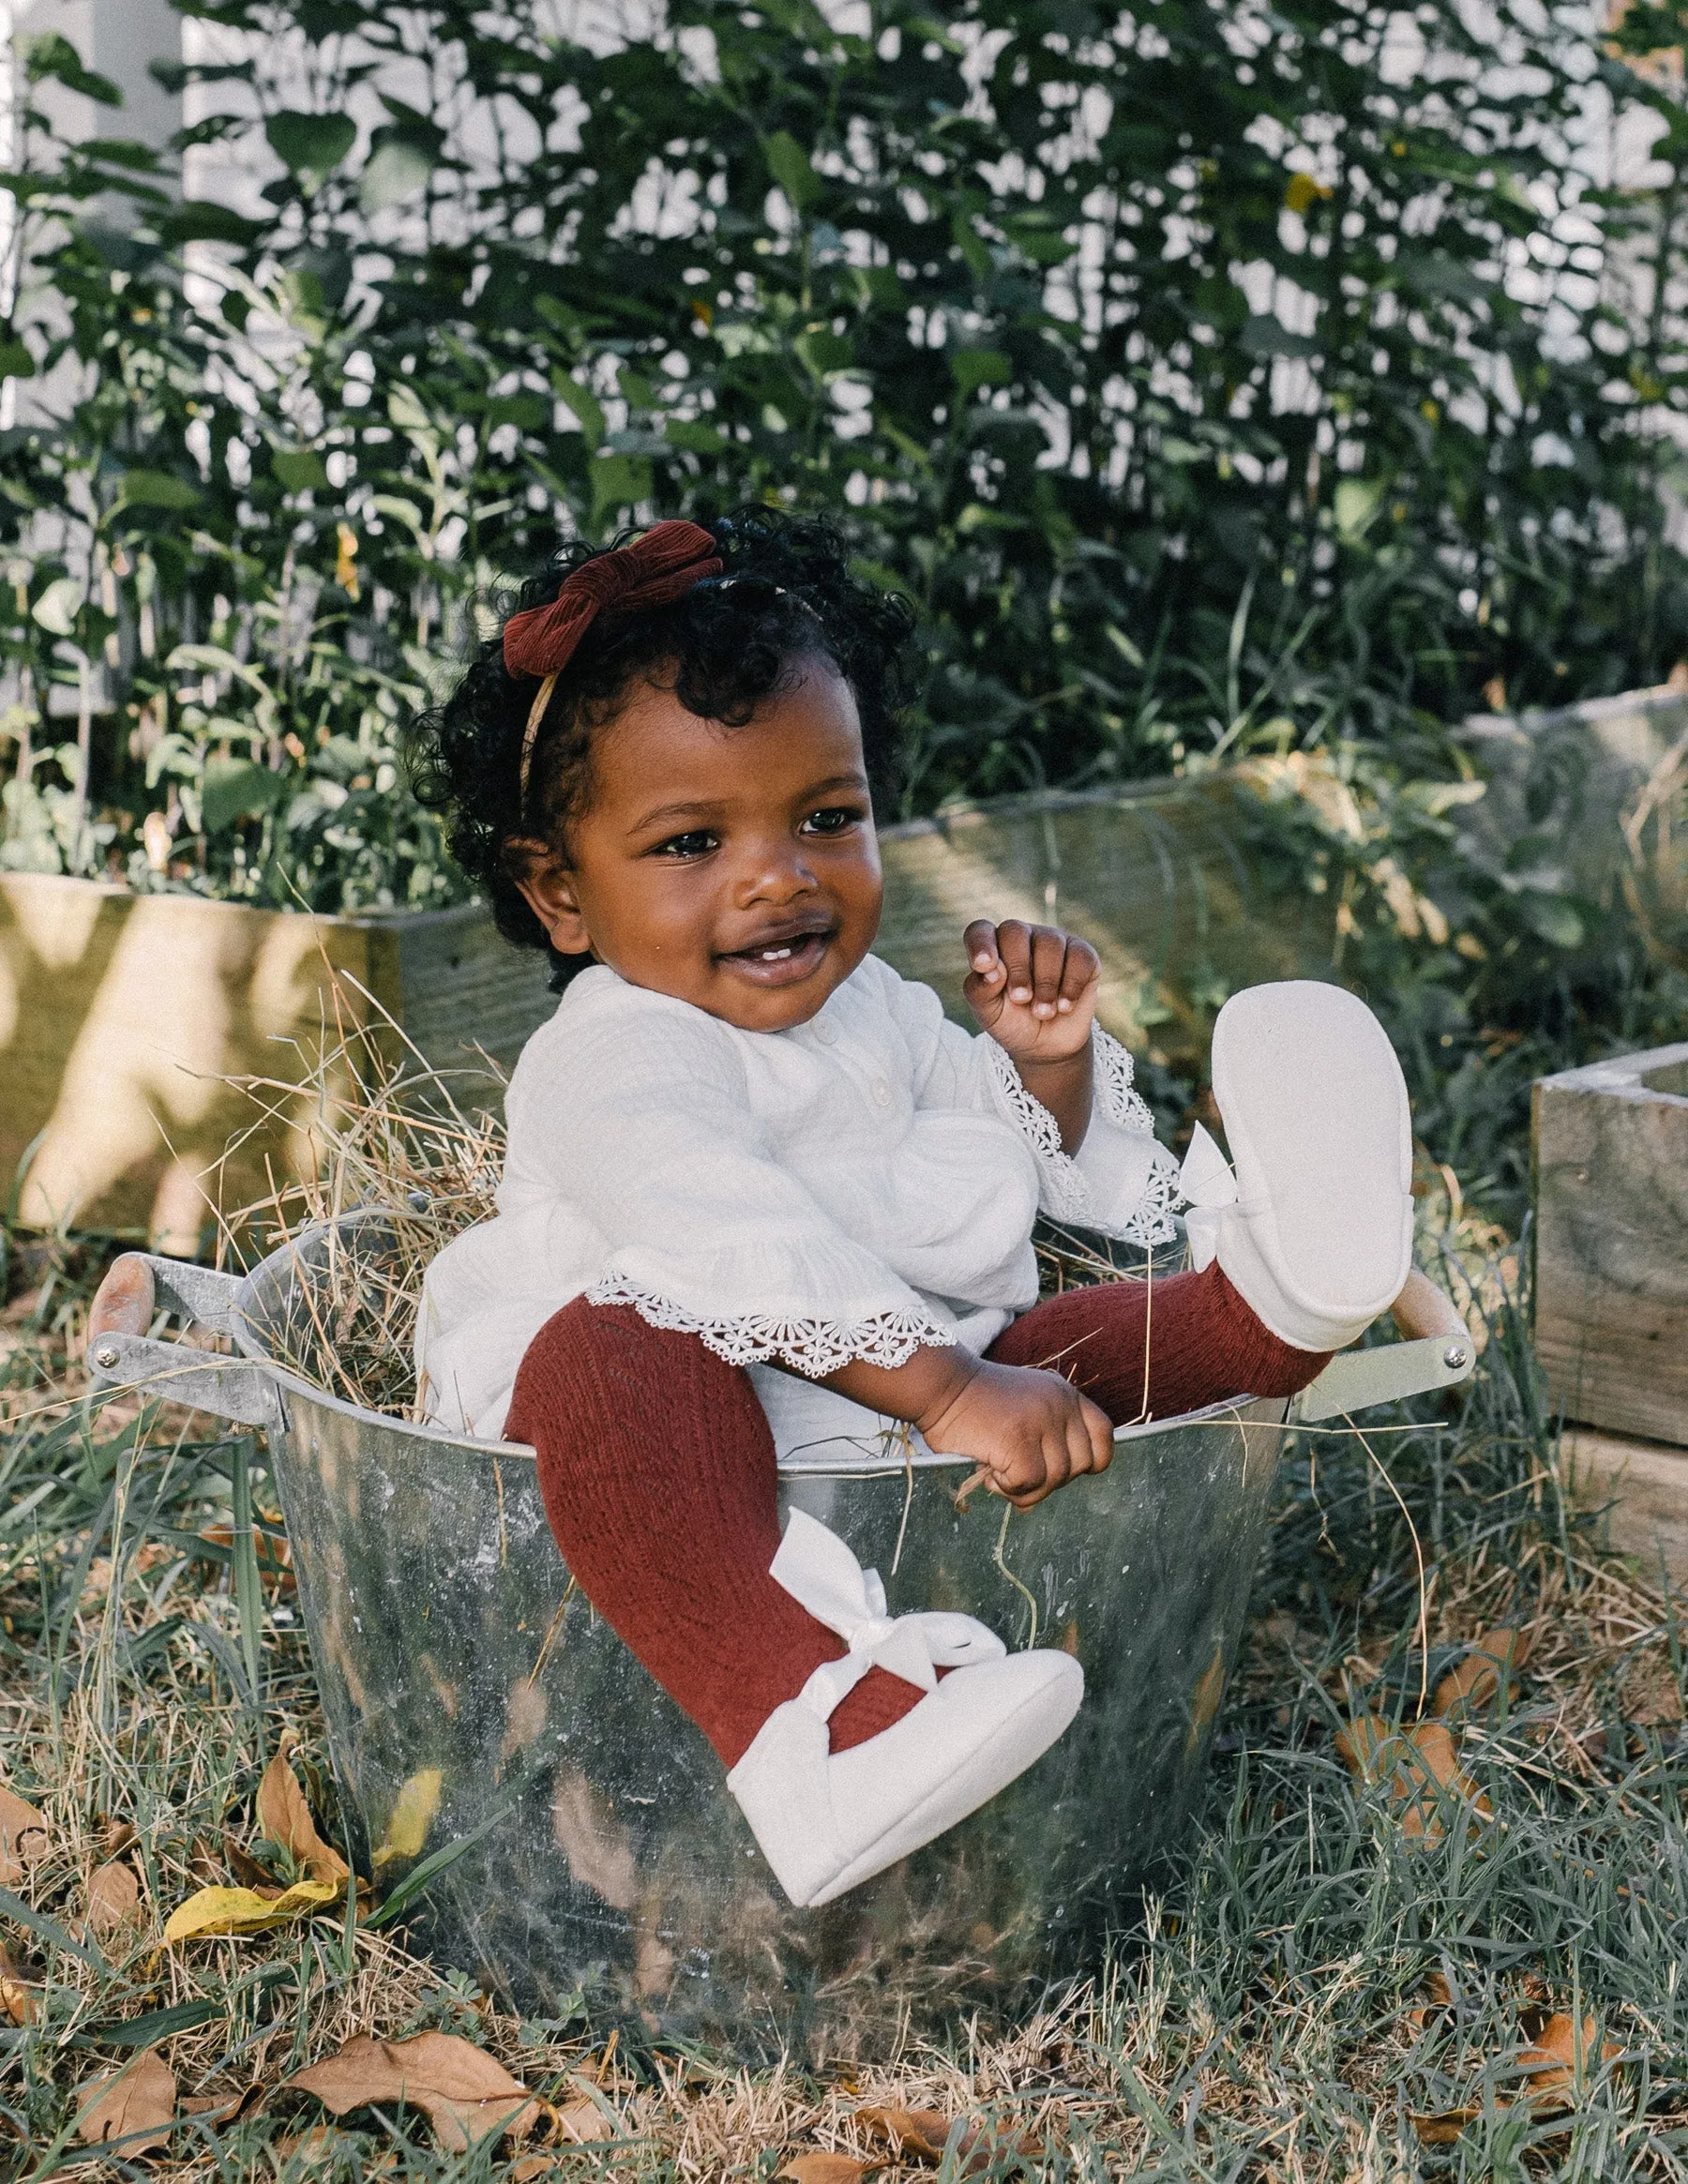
(20, 2003)
(133, 2108)
(1302, 191)
(418, 1801)
(345, 566)
(245, 1912)
(285, 1819)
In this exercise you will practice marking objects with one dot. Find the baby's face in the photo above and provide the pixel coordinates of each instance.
(735, 868)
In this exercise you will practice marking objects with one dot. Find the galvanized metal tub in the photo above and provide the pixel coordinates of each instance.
(463, 1678)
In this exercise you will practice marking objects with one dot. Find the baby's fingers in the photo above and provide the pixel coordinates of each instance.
(983, 959)
(1079, 973)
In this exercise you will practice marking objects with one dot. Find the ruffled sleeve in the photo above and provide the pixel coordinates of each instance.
(641, 1114)
(1120, 1182)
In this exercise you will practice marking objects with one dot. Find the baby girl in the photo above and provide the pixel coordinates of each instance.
(760, 1194)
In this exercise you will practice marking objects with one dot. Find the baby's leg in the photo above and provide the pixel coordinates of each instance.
(660, 1479)
(1155, 1350)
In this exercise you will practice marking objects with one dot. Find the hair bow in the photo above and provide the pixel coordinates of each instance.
(653, 571)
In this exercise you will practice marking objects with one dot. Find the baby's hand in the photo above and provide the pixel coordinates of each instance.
(1032, 987)
(1031, 1430)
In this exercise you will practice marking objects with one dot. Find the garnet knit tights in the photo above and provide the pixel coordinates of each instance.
(659, 1474)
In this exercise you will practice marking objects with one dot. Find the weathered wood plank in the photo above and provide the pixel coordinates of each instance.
(1646, 1487)
(1610, 1161)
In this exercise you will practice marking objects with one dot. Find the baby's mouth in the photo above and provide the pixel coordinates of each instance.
(780, 958)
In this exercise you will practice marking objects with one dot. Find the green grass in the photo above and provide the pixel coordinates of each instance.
(1269, 2018)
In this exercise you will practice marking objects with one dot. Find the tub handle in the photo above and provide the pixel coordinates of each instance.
(1438, 1353)
(122, 1354)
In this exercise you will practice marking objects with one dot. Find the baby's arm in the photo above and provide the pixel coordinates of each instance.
(1034, 989)
(1031, 1430)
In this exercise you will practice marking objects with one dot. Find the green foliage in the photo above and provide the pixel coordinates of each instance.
(1217, 379)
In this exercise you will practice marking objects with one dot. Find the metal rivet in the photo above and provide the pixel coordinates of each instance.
(1454, 1357)
(106, 1356)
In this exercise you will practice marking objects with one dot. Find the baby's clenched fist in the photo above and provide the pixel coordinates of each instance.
(1032, 987)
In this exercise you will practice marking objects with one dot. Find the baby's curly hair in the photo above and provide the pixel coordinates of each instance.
(723, 648)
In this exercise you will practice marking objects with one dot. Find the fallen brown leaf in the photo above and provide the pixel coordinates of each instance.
(1437, 1997)
(1476, 1680)
(18, 2003)
(1441, 2131)
(274, 1554)
(246, 1869)
(218, 2108)
(1420, 1766)
(285, 1820)
(1554, 2056)
(581, 2124)
(113, 1896)
(115, 1837)
(823, 2169)
(465, 2095)
(527, 2166)
(23, 1840)
(134, 2106)
(921, 2132)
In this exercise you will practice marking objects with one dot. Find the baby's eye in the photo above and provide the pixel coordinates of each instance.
(697, 842)
(834, 819)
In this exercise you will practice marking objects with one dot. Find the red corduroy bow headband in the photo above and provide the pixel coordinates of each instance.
(653, 571)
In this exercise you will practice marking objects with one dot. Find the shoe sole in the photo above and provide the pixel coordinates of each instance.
(972, 1785)
(1338, 1165)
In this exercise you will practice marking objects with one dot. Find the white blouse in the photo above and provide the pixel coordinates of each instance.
(851, 1188)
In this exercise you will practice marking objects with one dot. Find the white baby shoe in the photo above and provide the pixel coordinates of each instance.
(1314, 1231)
(827, 1821)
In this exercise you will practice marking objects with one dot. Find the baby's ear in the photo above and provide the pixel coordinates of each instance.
(548, 889)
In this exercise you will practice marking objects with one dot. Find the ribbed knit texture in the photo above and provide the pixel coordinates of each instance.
(659, 1474)
(1203, 1342)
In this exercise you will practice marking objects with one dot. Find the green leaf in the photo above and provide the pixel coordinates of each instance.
(973, 368)
(414, 1882)
(15, 359)
(237, 789)
(311, 145)
(54, 59)
(395, 169)
(788, 162)
(49, 1929)
(694, 435)
(619, 481)
(299, 469)
(199, 220)
(825, 352)
(154, 2025)
(156, 489)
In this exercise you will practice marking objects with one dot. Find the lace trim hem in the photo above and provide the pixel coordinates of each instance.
(1066, 1192)
(1116, 1077)
(813, 1346)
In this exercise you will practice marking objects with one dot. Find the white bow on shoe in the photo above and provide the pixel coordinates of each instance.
(1209, 1188)
(821, 1574)
(826, 1821)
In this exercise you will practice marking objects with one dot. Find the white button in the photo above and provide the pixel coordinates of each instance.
(826, 1031)
(881, 1092)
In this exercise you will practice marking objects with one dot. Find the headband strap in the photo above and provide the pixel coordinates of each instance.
(653, 571)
